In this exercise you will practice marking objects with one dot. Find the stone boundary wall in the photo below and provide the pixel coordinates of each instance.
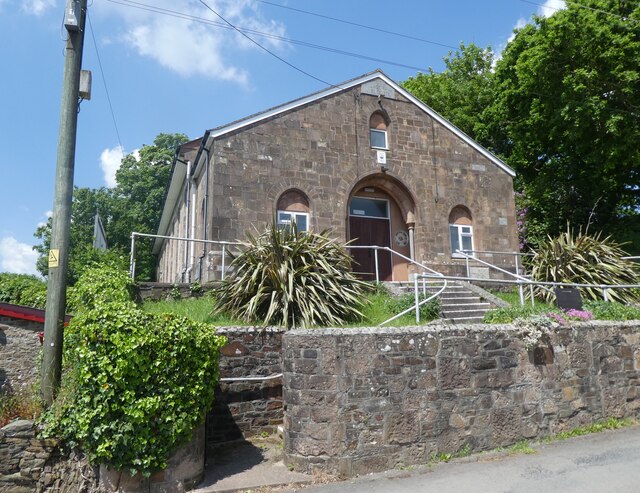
(19, 348)
(28, 464)
(155, 291)
(246, 408)
(363, 400)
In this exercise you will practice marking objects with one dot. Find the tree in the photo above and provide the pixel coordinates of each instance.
(86, 203)
(140, 186)
(567, 116)
(134, 204)
(462, 92)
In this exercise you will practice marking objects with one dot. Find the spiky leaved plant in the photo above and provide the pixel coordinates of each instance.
(585, 259)
(293, 279)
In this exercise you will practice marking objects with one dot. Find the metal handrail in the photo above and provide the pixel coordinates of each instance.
(604, 287)
(416, 306)
(417, 303)
(132, 258)
(504, 271)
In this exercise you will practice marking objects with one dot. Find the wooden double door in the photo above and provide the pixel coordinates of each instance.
(370, 231)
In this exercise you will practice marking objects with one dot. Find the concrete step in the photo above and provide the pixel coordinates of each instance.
(464, 320)
(465, 306)
(463, 313)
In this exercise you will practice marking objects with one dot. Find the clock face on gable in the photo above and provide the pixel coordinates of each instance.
(401, 238)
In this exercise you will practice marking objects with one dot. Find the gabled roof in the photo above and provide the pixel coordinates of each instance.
(178, 175)
(376, 74)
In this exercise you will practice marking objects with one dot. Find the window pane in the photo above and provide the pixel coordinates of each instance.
(379, 138)
(369, 207)
(453, 233)
(466, 243)
(301, 222)
(284, 217)
(466, 229)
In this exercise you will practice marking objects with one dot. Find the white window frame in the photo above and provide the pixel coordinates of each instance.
(461, 234)
(293, 216)
(384, 133)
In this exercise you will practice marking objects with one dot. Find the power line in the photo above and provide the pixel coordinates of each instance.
(363, 26)
(264, 48)
(181, 15)
(579, 5)
(104, 81)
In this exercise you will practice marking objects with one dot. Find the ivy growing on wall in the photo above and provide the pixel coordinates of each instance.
(136, 384)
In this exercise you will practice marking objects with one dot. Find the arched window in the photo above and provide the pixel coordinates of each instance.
(293, 206)
(460, 230)
(378, 130)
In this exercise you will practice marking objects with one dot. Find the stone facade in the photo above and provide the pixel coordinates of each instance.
(19, 349)
(245, 408)
(320, 147)
(363, 400)
(29, 464)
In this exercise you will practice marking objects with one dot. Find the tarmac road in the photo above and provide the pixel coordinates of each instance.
(607, 462)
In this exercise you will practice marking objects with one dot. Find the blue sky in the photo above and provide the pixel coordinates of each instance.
(170, 66)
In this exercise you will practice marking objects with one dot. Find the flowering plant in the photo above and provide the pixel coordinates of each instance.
(535, 330)
(582, 315)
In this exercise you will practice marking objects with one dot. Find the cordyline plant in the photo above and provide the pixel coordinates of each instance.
(585, 259)
(293, 279)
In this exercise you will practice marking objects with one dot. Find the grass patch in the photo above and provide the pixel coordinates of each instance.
(18, 406)
(197, 309)
(381, 305)
(598, 427)
(510, 313)
(609, 310)
(521, 447)
(465, 451)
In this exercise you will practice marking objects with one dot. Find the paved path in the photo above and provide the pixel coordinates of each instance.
(605, 462)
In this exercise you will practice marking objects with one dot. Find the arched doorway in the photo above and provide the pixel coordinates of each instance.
(381, 213)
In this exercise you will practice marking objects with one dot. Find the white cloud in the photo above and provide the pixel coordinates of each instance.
(47, 214)
(547, 9)
(17, 257)
(37, 7)
(110, 160)
(550, 7)
(192, 48)
(519, 25)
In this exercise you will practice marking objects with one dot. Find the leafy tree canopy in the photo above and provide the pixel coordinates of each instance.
(134, 204)
(567, 115)
(462, 92)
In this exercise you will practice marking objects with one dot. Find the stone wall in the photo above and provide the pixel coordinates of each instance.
(28, 464)
(362, 400)
(245, 408)
(19, 348)
(165, 290)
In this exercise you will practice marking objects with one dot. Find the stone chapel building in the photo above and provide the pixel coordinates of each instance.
(365, 159)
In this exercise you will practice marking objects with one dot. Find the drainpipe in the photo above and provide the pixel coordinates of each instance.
(184, 275)
(206, 202)
(187, 218)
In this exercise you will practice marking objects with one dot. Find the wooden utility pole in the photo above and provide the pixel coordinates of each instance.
(75, 14)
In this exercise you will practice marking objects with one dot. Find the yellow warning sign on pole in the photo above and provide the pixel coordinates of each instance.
(54, 255)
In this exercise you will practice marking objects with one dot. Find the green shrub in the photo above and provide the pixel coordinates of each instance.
(97, 285)
(429, 311)
(508, 314)
(292, 279)
(607, 310)
(136, 384)
(584, 259)
(21, 289)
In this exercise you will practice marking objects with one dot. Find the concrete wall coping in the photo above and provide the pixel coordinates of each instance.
(436, 328)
